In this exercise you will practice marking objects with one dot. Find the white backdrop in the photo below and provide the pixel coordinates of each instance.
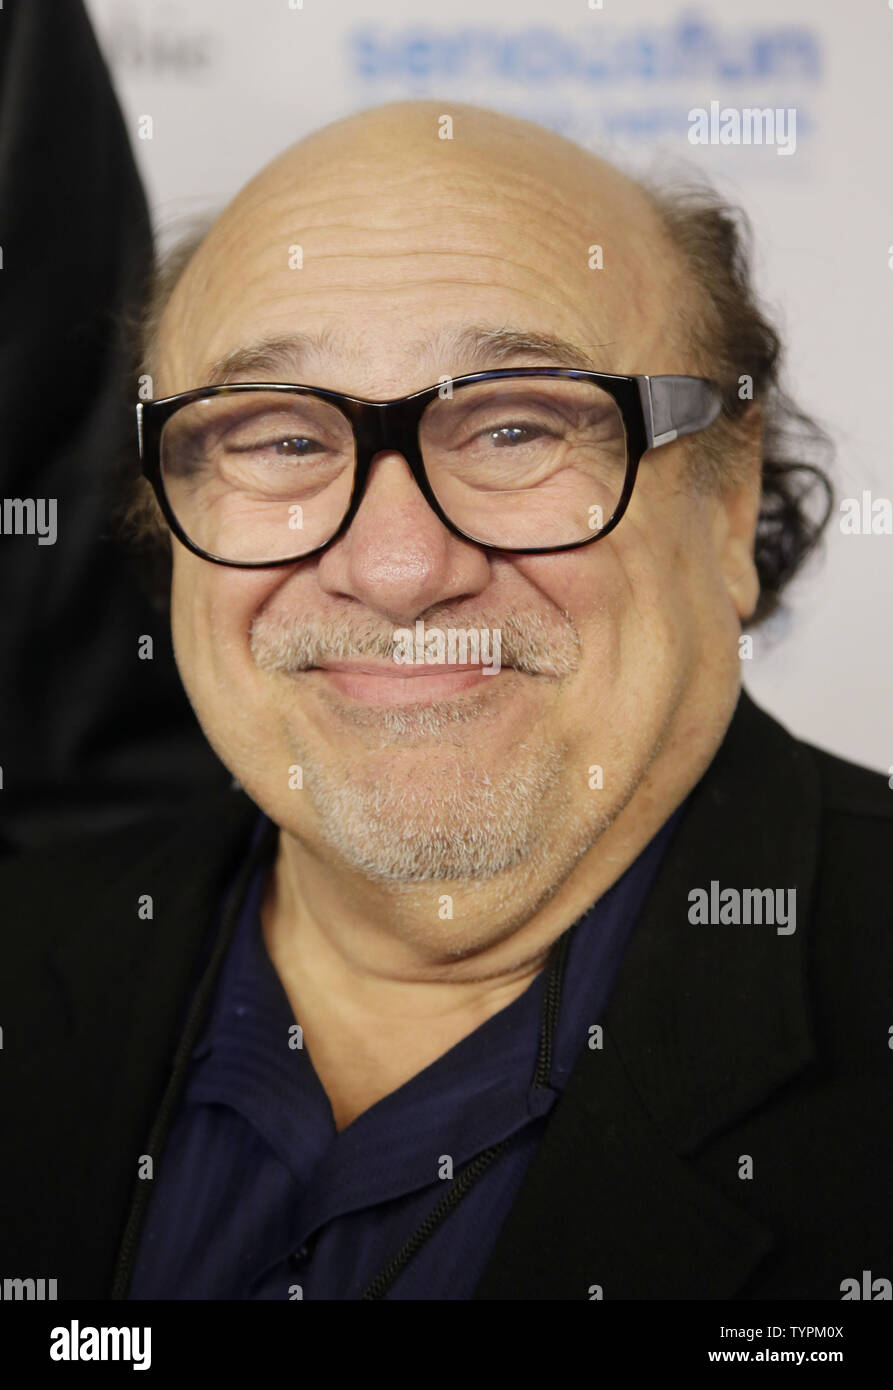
(229, 83)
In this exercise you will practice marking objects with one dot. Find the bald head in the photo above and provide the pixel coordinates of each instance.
(405, 210)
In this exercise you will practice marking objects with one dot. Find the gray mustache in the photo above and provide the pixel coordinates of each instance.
(529, 643)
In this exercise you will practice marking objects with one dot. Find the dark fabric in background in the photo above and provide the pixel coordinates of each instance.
(91, 737)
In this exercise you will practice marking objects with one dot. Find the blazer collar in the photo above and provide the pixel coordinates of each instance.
(705, 1023)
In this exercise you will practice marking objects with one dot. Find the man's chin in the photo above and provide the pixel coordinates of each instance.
(442, 813)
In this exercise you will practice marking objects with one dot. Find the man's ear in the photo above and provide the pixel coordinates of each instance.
(738, 512)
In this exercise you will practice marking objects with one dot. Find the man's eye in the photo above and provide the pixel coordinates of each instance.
(295, 446)
(298, 445)
(506, 436)
(511, 434)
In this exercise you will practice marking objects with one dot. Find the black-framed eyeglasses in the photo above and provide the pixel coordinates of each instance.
(527, 459)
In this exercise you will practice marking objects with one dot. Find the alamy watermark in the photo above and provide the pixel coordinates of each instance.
(30, 516)
(28, 1290)
(744, 125)
(866, 515)
(745, 906)
(76, 1343)
(463, 646)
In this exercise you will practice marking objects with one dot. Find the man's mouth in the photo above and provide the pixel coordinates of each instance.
(385, 683)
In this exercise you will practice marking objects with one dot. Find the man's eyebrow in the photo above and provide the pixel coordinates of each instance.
(489, 347)
(275, 357)
(477, 347)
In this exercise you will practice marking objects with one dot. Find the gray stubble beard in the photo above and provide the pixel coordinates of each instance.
(440, 825)
(436, 824)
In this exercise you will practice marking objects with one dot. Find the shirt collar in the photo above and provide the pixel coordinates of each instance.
(476, 1094)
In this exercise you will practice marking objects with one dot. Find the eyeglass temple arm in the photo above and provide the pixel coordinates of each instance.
(675, 405)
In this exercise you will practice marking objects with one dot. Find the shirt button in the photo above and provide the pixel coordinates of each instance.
(299, 1256)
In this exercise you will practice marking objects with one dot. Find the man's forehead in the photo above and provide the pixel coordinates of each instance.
(557, 266)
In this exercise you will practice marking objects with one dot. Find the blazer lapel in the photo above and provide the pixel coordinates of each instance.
(706, 1021)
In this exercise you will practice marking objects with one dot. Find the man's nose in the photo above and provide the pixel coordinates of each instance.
(397, 557)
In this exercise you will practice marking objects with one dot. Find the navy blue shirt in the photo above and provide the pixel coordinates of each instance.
(257, 1196)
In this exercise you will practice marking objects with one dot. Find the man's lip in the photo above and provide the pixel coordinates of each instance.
(379, 683)
(393, 668)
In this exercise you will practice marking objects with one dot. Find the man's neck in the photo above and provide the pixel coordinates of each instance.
(379, 1001)
(369, 1032)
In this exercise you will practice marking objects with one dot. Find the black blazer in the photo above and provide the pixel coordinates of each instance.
(720, 1042)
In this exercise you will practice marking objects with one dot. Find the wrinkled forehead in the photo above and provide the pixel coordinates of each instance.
(411, 264)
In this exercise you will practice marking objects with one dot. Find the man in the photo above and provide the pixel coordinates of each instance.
(550, 967)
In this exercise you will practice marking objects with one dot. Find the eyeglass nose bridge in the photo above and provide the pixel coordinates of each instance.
(382, 426)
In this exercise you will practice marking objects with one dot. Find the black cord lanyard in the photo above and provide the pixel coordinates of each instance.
(466, 1179)
(461, 1184)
